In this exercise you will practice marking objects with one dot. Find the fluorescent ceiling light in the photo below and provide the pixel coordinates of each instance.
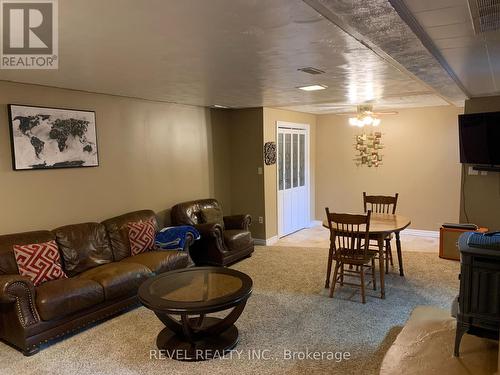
(219, 106)
(312, 87)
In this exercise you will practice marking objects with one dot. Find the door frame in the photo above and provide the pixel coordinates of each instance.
(300, 126)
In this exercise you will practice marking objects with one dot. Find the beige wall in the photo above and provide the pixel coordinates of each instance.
(482, 193)
(271, 116)
(247, 186)
(238, 138)
(221, 157)
(152, 155)
(421, 162)
(237, 155)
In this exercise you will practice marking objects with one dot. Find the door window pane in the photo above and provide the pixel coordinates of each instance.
(288, 161)
(295, 161)
(302, 160)
(280, 161)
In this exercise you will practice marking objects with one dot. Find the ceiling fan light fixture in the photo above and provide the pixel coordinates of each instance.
(356, 121)
(362, 121)
(365, 117)
(367, 120)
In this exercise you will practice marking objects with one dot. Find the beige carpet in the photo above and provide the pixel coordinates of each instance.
(289, 310)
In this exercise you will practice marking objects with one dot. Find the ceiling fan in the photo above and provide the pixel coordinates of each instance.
(365, 116)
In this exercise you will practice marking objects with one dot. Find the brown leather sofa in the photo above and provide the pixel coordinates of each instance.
(103, 279)
(224, 239)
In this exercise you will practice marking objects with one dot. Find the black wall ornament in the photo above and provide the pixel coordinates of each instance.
(270, 153)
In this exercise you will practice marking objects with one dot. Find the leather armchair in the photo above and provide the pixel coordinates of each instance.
(224, 239)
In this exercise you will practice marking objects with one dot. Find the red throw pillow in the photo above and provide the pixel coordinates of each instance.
(40, 262)
(141, 235)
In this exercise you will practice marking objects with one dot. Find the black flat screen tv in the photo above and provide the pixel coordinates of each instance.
(479, 135)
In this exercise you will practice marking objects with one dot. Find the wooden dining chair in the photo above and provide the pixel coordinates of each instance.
(349, 245)
(382, 204)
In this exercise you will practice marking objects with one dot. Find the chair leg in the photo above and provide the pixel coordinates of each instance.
(389, 251)
(342, 275)
(334, 281)
(362, 274)
(373, 275)
(386, 254)
(329, 267)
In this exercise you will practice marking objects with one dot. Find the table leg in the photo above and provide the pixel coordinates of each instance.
(381, 265)
(400, 256)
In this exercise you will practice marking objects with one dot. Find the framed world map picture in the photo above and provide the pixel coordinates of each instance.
(49, 138)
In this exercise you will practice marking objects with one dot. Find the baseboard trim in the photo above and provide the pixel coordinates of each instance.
(421, 233)
(315, 223)
(268, 242)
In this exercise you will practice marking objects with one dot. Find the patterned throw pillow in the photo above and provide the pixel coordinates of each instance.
(40, 262)
(141, 235)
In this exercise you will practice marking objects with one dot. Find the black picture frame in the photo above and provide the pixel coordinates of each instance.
(63, 130)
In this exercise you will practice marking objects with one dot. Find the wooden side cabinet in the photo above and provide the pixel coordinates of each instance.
(448, 241)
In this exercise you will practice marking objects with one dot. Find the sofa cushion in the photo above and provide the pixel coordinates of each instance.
(141, 235)
(161, 261)
(59, 298)
(40, 262)
(8, 264)
(237, 239)
(118, 231)
(118, 279)
(83, 246)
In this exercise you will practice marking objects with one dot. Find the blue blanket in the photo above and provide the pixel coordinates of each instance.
(174, 238)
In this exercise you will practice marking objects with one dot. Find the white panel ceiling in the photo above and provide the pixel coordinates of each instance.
(237, 53)
(475, 59)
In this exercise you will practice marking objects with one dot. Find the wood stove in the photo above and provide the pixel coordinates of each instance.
(479, 298)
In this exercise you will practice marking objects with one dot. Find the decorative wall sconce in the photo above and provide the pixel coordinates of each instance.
(368, 147)
(270, 153)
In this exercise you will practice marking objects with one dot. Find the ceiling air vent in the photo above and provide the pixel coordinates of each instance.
(311, 70)
(485, 15)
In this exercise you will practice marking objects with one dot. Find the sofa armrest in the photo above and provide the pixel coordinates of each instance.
(209, 230)
(237, 222)
(212, 230)
(20, 290)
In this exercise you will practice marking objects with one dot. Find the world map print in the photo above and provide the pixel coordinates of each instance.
(52, 138)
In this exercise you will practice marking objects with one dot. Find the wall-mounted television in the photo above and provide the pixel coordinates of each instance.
(479, 135)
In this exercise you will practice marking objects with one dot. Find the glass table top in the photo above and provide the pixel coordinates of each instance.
(195, 286)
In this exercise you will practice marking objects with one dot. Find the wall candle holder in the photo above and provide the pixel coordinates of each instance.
(368, 147)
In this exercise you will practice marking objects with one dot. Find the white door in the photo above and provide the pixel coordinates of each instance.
(293, 178)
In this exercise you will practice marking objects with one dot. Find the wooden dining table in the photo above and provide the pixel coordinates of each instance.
(382, 225)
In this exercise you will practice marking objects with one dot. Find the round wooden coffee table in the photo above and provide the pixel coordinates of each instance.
(191, 294)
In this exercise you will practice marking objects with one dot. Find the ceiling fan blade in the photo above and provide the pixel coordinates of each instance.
(346, 113)
(378, 113)
(385, 113)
